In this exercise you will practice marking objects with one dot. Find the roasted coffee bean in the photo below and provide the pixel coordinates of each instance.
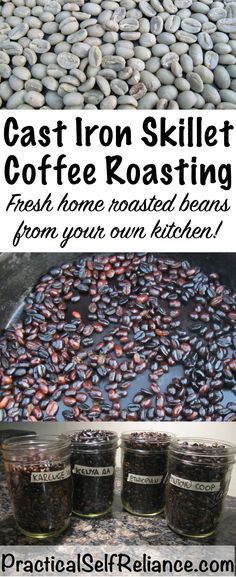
(52, 408)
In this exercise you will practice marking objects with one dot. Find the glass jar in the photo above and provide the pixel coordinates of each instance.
(144, 465)
(38, 473)
(93, 471)
(199, 472)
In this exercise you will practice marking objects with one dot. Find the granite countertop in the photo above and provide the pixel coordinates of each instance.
(118, 528)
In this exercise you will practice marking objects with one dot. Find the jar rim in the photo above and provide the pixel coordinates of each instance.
(194, 446)
(95, 443)
(140, 443)
(42, 443)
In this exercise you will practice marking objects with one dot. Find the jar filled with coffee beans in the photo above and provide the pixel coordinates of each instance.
(93, 471)
(38, 472)
(199, 472)
(144, 471)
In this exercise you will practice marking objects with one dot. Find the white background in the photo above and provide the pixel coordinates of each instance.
(142, 155)
(138, 153)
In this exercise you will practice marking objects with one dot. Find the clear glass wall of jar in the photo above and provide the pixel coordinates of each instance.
(199, 472)
(93, 471)
(38, 472)
(144, 468)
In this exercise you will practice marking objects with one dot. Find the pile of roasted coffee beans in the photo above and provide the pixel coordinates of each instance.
(93, 471)
(97, 336)
(40, 507)
(144, 472)
(197, 484)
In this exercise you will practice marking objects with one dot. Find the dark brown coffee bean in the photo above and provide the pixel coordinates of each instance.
(69, 401)
(52, 409)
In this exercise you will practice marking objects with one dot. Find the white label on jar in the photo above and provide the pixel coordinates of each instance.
(93, 471)
(50, 476)
(200, 486)
(144, 479)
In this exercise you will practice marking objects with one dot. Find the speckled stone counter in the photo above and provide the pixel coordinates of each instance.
(119, 528)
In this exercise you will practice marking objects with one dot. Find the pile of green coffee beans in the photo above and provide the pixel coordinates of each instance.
(118, 54)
